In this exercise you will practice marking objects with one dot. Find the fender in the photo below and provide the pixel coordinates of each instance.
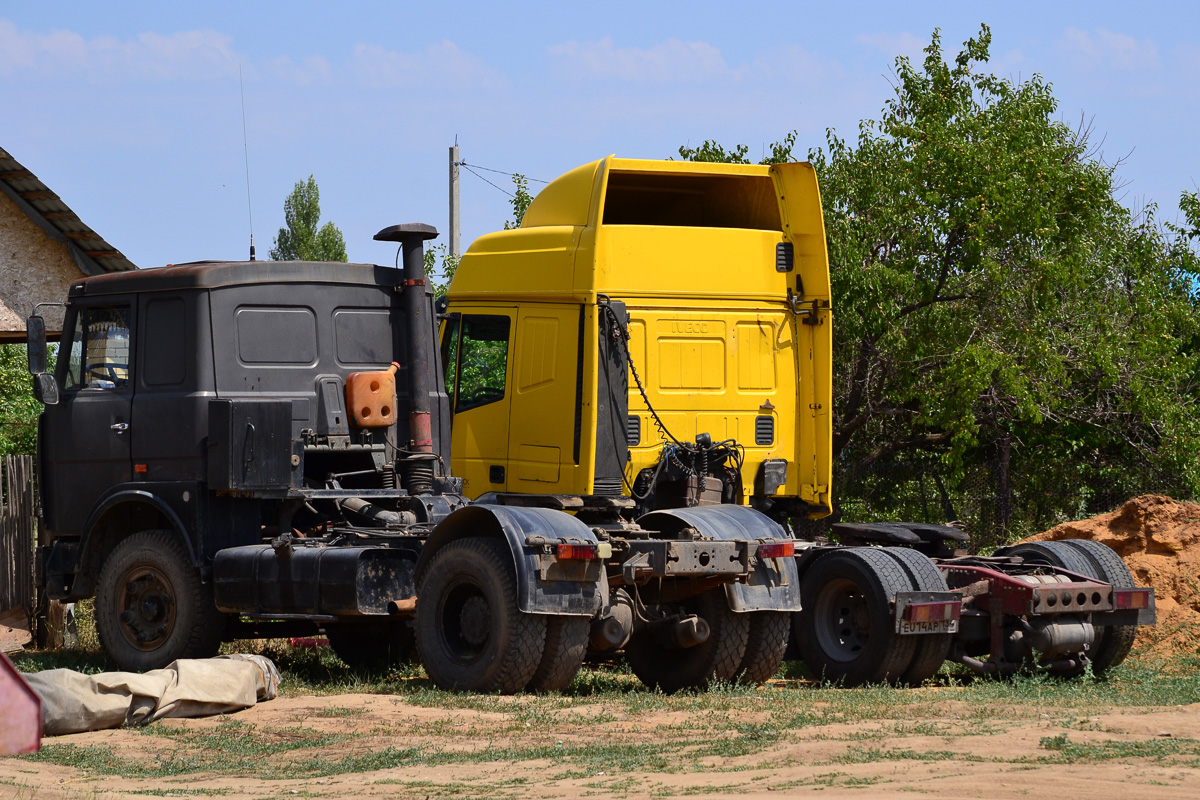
(135, 496)
(514, 525)
(774, 585)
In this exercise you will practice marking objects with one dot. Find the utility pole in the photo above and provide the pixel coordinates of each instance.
(455, 247)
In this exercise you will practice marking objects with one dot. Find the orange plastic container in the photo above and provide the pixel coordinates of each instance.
(371, 398)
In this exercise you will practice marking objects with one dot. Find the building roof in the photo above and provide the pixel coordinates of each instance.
(90, 252)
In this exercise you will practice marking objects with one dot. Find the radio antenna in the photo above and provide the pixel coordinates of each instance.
(246, 151)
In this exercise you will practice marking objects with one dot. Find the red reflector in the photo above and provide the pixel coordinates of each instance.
(933, 612)
(777, 550)
(140, 469)
(578, 551)
(1131, 598)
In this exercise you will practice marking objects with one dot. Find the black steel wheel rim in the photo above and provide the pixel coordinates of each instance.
(146, 608)
(466, 621)
(841, 620)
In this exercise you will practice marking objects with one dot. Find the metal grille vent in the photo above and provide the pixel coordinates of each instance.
(784, 257)
(633, 430)
(764, 431)
(608, 487)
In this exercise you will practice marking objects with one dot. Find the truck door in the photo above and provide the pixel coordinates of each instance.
(85, 438)
(543, 450)
(475, 352)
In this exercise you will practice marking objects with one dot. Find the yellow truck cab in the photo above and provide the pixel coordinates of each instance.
(659, 329)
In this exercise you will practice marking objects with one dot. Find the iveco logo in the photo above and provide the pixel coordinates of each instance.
(685, 326)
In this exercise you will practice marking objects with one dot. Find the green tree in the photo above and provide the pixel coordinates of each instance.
(300, 239)
(440, 267)
(520, 201)
(993, 302)
(18, 409)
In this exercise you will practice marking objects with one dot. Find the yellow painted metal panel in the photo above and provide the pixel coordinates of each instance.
(564, 201)
(542, 420)
(538, 352)
(754, 344)
(804, 226)
(537, 464)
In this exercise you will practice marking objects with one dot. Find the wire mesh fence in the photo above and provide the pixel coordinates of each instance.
(921, 491)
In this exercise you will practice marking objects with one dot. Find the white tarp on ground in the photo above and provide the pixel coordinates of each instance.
(73, 702)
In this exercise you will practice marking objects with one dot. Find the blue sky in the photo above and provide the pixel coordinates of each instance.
(131, 111)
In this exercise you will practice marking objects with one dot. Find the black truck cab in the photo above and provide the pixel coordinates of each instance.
(227, 377)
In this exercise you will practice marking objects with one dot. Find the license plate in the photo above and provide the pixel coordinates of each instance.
(941, 626)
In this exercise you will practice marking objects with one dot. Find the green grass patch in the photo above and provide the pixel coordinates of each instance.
(1065, 751)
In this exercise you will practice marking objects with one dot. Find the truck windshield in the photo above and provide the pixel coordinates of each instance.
(98, 355)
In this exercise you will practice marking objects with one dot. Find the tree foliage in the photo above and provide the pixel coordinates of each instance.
(520, 201)
(18, 409)
(440, 267)
(301, 239)
(992, 299)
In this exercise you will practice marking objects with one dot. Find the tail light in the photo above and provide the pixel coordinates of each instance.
(933, 612)
(1124, 599)
(777, 550)
(584, 552)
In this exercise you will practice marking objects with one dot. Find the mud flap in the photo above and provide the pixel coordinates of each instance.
(773, 583)
(574, 592)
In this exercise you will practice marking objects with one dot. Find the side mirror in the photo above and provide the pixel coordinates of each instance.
(45, 389)
(35, 336)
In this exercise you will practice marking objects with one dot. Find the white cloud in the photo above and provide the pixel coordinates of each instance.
(442, 63)
(895, 44)
(672, 61)
(311, 71)
(201, 54)
(1115, 51)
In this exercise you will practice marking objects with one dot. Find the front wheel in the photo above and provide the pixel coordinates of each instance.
(470, 634)
(151, 606)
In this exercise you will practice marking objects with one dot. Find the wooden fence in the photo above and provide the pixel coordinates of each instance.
(18, 520)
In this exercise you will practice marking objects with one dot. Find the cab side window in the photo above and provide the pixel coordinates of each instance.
(98, 355)
(480, 350)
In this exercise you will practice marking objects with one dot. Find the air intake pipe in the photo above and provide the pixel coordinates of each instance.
(421, 345)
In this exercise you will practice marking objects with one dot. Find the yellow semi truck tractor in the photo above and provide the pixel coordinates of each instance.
(667, 327)
(654, 345)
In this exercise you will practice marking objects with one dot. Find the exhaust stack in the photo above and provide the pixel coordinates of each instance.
(412, 239)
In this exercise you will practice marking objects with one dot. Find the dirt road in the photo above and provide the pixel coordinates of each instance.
(359, 746)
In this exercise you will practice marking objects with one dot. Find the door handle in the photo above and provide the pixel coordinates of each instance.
(119, 427)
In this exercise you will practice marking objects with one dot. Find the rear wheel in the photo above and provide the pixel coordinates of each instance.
(716, 658)
(566, 645)
(931, 649)
(848, 628)
(1054, 554)
(1112, 643)
(1062, 555)
(151, 606)
(470, 634)
(766, 643)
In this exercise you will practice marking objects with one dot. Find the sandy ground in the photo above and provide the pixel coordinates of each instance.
(955, 749)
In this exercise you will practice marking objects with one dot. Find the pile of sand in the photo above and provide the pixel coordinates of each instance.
(1159, 538)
